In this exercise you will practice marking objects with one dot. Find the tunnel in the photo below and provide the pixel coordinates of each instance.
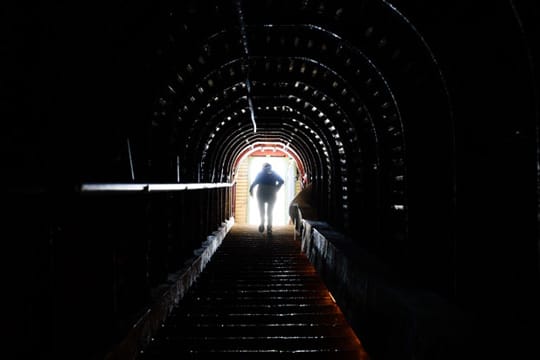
(407, 130)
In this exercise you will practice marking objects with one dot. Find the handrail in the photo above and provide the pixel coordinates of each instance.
(126, 187)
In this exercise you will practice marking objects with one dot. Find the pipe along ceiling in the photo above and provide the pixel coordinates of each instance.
(337, 83)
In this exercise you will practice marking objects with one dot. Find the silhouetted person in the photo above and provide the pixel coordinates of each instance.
(268, 183)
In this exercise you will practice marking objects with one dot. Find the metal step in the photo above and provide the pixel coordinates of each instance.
(258, 298)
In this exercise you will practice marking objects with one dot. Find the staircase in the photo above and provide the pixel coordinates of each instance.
(258, 298)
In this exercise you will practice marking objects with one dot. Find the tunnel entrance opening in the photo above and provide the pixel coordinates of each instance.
(283, 166)
(248, 166)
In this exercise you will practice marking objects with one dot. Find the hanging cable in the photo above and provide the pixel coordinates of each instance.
(245, 62)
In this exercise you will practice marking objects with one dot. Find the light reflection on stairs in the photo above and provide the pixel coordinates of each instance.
(258, 298)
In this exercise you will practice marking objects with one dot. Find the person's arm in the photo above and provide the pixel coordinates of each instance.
(255, 182)
(279, 181)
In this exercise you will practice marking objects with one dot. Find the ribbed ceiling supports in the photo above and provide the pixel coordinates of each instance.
(339, 101)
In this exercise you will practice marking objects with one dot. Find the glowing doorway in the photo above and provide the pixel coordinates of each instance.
(286, 168)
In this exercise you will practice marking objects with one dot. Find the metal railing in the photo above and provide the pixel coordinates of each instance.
(102, 252)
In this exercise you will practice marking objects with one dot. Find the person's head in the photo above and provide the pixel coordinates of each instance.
(267, 167)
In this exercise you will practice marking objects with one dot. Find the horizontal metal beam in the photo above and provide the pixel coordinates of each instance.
(111, 187)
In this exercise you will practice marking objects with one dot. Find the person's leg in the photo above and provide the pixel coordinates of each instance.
(261, 214)
(269, 211)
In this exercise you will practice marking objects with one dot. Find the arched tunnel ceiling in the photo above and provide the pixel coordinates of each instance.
(339, 83)
(416, 122)
(408, 117)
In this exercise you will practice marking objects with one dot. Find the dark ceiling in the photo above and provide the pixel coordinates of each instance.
(416, 121)
(383, 101)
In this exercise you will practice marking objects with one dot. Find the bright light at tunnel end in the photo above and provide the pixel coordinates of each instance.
(284, 166)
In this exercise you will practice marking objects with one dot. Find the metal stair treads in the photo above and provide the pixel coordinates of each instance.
(258, 298)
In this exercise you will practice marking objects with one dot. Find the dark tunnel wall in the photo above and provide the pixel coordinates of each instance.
(416, 122)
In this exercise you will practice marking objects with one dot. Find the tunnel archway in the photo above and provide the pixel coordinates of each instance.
(267, 149)
(333, 89)
(416, 124)
(285, 162)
